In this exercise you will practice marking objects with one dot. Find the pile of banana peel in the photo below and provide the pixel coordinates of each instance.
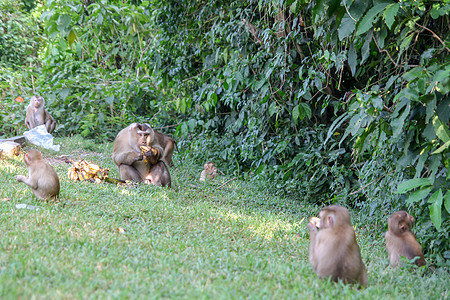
(83, 170)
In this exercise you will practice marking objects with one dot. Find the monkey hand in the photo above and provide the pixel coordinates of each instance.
(139, 156)
(20, 178)
(152, 152)
(315, 221)
(311, 227)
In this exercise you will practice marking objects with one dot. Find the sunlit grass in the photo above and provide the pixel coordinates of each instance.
(194, 240)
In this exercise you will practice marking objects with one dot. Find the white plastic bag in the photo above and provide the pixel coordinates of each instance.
(40, 137)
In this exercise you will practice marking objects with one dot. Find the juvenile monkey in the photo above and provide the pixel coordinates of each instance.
(42, 178)
(37, 115)
(137, 158)
(209, 171)
(401, 241)
(166, 143)
(334, 251)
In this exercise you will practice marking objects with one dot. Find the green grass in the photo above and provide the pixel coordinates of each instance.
(191, 241)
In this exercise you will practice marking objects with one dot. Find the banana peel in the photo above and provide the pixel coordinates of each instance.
(143, 150)
(155, 154)
(83, 170)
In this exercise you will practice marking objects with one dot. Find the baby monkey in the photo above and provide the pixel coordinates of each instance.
(42, 178)
(209, 171)
(334, 251)
(401, 241)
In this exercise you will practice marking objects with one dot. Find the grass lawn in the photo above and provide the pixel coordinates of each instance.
(192, 241)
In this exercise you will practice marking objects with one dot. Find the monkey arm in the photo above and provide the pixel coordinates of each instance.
(127, 158)
(158, 151)
(31, 183)
(312, 246)
(29, 121)
(50, 123)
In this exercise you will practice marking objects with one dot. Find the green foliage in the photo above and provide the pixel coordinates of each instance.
(20, 43)
(19, 35)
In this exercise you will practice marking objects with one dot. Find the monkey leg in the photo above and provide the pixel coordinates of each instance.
(159, 175)
(128, 172)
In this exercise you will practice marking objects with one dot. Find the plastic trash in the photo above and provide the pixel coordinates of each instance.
(40, 137)
(23, 206)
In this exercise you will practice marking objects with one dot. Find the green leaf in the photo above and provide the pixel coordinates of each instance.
(100, 19)
(238, 76)
(182, 105)
(365, 50)
(110, 100)
(390, 13)
(442, 148)
(352, 58)
(64, 93)
(371, 17)
(441, 129)
(405, 42)
(447, 201)
(305, 110)
(294, 7)
(436, 208)
(418, 195)
(72, 37)
(397, 123)
(295, 113)
(431, 106)
(336, 124)
(411, 184)
(259, 84)
(273, 108)
(360, 141)
(346, 27)
(422, 159)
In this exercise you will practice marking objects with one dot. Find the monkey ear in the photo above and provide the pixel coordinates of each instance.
(330, 221)
(402, 227)
(133, 126)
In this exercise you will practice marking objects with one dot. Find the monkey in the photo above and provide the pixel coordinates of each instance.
(334, 251)
(37, 115)
(209, 171)
(401, 241)
(136, 163)
(165, 142)
(42, 178)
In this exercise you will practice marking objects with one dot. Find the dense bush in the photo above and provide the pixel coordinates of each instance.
(20, 41)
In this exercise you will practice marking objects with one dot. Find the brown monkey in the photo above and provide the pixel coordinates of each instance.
(209, 171)
(165, 142)
(42, 178)
(136, 163)
(334, 251)
(400, 241)
(38, 115)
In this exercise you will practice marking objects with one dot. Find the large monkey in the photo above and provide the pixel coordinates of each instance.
(333, 250)
(165, 142)
(137, 158)
(42, 178)
(38, 115)
(400, 241)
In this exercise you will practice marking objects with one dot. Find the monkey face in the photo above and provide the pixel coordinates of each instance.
(37, 101)
(31, 156)
(142, 138)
